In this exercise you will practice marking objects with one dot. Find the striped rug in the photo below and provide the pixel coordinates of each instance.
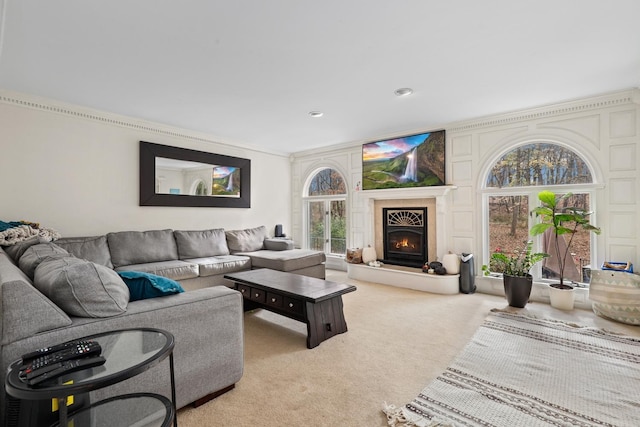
(522, 371)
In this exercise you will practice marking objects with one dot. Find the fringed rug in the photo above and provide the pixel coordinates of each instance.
(522, 371)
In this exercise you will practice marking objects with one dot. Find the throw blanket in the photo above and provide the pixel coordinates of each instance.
(13, 232)
(523, 371)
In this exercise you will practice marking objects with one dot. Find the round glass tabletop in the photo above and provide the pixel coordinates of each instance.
(128, 352)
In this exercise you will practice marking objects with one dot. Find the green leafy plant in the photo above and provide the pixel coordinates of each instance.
(567, 220)
(518, 263)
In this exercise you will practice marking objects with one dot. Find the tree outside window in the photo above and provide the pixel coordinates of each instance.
(512, 185)
(326, 212)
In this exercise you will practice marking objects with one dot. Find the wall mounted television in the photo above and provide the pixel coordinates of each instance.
(403, 162)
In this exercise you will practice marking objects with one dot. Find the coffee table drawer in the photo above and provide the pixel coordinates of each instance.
(274, 300)
(258, 295)
(244, 290)
(292, 305)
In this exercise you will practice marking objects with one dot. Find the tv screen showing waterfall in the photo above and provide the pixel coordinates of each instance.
(407, 161)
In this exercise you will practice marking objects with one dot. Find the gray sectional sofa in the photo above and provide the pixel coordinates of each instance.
(42, 306)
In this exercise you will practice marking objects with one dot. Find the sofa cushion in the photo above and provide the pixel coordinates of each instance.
(17, 250)
(94, 249)
(35, 254)
(82, 288)
(146, 285)
(290, 260)
(247, 240)
(200, 244)
(140, 247)
(222, 264)
(176, 270)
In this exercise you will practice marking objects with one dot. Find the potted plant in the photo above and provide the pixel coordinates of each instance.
(515, 269)
(562, 221)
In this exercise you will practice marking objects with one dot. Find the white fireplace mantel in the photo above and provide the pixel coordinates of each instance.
(404, 277)
(439, 193)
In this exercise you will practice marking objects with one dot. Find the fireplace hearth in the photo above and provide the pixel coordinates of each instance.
(405, 236)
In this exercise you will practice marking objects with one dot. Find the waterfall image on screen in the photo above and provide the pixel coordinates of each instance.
(408, 161)
(226, 182)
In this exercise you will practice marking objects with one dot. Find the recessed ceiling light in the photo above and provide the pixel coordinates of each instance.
(403, 91)
(316, 113)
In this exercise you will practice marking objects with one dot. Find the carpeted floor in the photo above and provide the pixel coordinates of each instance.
(398, 341)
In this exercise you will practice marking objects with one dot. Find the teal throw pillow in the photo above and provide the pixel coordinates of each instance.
(146, 285)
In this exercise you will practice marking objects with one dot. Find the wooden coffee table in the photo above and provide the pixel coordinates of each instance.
(316, 302)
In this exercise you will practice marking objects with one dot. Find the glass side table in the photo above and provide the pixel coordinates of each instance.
(128, 352)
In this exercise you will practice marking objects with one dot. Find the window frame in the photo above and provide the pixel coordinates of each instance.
(531, 191)
(307, 199)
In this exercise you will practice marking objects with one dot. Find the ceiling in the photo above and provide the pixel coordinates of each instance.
(249, 72)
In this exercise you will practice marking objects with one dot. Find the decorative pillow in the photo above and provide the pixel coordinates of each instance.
(35, 254)
(82, 288)
(247, 240)
(278, 244)
(201, 244)
(146, 285)
(17, 250)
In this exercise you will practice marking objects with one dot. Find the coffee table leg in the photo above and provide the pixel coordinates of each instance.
(324, 320)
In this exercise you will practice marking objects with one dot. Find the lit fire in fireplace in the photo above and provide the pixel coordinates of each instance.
(404, 243)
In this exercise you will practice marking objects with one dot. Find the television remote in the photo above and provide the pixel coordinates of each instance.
(66, 367)
(80, 349)
(48, 350)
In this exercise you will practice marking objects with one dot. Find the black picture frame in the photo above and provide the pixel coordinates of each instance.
(148, 196)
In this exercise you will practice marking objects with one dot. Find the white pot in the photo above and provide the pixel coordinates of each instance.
(561, 298)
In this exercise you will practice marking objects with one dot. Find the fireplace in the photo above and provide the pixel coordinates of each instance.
(405, 236)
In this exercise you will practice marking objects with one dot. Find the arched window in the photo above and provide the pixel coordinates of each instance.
(326, 222)
(511, 191)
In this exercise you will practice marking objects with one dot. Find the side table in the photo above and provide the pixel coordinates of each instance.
(128, 353)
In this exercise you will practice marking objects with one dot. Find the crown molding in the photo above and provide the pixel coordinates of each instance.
(613, 99)
(49, 105)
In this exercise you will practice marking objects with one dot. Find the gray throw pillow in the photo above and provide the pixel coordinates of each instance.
(35, 254)
(247, 240)
(17, 250)
(82, 288)
(201, 244)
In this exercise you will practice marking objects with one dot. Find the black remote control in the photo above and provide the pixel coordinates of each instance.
(66, 367)
(80, 349)
(48, 350)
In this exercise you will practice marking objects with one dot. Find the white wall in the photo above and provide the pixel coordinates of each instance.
(605, 130)
(77, 171)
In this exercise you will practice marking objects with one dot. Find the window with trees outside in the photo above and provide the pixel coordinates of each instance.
(512, 187)
(326, 212)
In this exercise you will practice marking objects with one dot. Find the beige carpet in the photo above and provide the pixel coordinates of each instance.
(398, 341)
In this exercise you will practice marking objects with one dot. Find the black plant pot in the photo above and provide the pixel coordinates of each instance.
(517, 289)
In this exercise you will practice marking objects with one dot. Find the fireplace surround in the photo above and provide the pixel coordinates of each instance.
(405, 236)
(435, 199)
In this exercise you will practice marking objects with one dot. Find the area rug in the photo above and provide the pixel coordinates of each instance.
(523, 371)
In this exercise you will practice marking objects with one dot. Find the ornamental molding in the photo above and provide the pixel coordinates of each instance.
(627, 97)
(47, 105)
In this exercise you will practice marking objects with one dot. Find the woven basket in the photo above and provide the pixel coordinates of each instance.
(616, 295)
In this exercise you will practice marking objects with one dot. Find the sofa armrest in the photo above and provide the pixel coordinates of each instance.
(278, 244)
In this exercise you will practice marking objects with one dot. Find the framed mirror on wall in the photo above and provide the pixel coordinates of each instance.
(173, 176)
